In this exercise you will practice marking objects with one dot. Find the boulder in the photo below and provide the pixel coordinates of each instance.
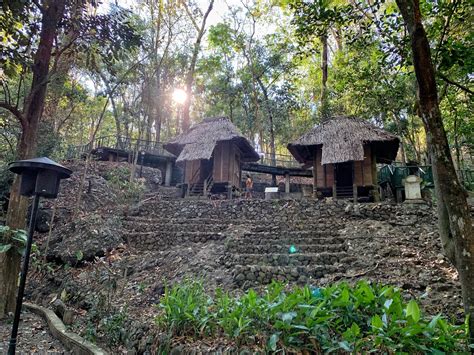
(84, 239)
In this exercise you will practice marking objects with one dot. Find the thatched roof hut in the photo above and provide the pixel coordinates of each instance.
(211, 153)
(199, 142)
(342, 139)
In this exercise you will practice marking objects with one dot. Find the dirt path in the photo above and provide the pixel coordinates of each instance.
(33, 336)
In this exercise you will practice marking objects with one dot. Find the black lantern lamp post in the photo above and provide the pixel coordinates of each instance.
(40, 177)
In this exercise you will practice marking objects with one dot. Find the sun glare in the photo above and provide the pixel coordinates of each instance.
(179, 96)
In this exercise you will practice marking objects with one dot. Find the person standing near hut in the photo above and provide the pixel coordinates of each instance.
(248, 187)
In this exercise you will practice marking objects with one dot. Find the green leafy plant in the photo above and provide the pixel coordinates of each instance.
(119, 178)
(337, 318)
(186, 309)
(113, 327)
(15, 238)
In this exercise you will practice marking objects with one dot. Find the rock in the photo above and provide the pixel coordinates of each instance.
(83, 240)
(59, 307)
(43, 219)
(348, 208)
(68, 317)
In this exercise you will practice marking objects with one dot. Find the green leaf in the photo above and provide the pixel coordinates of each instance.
(355, 329)
(5, 247)
(79, 255)
(413, 311)
(343, 299)
(21, 237)
(376, 322)
(272, 342)
(288, 317)
(434, 322)
(345, 346)
(388, 303)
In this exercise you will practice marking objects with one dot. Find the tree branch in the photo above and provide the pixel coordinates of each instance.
(190, 15)
(14, 110)
(460, 86)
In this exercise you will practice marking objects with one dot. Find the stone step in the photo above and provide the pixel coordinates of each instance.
(263, 274)
(253, 225)
(143, 226)
(235, 246)
(289, 234)
(286, 240)
(286, 259)
(166, 220)
(295, 226)
(153, 240)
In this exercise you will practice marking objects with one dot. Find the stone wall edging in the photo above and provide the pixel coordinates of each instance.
(71, 341)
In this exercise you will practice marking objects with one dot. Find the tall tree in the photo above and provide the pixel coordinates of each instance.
(454, 220)
(52, 11)
(35, 51)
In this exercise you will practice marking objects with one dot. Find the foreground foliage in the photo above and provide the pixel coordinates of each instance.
(336, 318)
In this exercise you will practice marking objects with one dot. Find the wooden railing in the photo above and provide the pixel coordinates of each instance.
(284, 160)
(118, 142)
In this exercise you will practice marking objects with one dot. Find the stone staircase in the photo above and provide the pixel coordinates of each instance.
(253, 251)
(286, 253)
(145, 233)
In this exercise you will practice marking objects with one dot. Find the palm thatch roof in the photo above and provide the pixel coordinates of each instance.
(199, 142)
(342, 139)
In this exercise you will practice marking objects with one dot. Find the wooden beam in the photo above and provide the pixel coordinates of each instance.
(375, 178)
(287, 183)
(315, 177)
(354, 185)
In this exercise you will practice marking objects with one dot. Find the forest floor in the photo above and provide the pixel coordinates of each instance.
(33, 336)
(113, 287)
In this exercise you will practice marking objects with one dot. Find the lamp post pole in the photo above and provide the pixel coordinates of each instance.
(40, 177)
(24, 271)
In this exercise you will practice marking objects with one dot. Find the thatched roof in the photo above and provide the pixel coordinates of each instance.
(199, 142)
(342, 139)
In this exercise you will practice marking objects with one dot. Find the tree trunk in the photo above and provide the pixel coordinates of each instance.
(52, 13)
(400, 133)
(324, 75)
(192, 67)
(270, 121)
(450, 193)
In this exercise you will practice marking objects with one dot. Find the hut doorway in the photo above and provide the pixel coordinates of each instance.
(344, 174)
(207, 165)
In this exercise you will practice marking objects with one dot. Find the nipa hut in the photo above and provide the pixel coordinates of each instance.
(212, 152)
(343, 152)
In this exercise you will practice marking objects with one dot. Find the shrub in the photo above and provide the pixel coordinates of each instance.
(119, 178)
(340, 317)
(186, 310)
(13, 238)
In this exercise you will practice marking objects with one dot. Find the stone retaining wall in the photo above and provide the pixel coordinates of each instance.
(152, 241)
(282, 211)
